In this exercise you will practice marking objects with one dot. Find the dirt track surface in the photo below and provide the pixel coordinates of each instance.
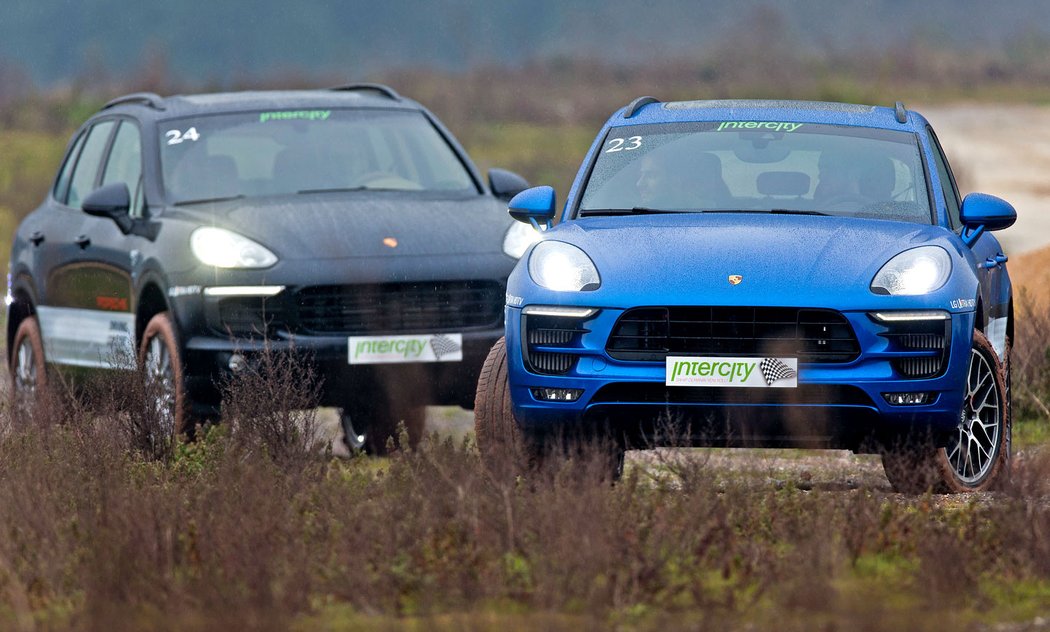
(1003, 150)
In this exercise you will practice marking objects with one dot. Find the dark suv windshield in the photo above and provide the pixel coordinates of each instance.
(759, 166)
(300, 151)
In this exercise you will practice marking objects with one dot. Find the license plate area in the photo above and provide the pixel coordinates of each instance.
(404, 349)
(731, 372)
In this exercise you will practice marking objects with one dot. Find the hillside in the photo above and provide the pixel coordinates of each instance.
(56, 41)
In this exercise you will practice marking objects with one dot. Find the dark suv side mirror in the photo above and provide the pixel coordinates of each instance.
(506, 184)
(112, 201)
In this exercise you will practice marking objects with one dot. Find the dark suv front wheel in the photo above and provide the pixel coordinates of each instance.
(162, 371)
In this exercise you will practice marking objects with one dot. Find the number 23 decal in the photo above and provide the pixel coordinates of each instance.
(175, 136)
(624, 144)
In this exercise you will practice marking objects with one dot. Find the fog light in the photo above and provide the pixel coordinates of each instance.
(557, 394)
(237, 363)
(907, 399)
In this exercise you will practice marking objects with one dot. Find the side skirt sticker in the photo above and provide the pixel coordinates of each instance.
(996, 331)
(88, 337)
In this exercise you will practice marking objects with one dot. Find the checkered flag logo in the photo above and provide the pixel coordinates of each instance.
(773, 370)
(443, 345)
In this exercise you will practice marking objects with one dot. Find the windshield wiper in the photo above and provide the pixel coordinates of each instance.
(772, 211)
(347, 189)
(637, 210)
(333, 190)
(793, 211)
(226, 198)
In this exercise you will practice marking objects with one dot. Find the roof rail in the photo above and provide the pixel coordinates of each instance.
(902, 114)
(145, 98)
(379, 88)
(633, 107)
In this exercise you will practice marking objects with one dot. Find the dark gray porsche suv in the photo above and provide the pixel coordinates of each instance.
(190, 231)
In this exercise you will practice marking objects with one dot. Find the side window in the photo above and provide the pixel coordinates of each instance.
(125, 164)
(86, 169)
(944, 174)
(62, 183)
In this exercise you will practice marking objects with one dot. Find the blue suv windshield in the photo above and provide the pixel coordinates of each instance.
(282, 152)
(759, 166)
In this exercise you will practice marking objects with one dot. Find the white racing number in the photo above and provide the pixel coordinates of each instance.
(175, 136)
(624, 144)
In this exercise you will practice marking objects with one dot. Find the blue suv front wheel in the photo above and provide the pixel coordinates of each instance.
(977, 450)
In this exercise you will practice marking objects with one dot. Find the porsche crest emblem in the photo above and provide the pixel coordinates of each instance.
(735, 279)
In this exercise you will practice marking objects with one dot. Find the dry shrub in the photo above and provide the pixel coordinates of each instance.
(240, 530)
(270, 406)
(1030, 356)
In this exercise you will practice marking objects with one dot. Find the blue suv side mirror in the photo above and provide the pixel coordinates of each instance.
(534, 206)
(981, 212)
(987, 210)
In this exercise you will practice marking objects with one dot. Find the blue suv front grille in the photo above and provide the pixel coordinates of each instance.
(650, 334)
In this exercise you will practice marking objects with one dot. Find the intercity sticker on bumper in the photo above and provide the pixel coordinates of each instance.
(404, 349)
(739, 372)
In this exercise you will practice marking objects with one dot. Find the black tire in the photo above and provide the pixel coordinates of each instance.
(369, 428)
(501, 439)
(161, 365)
(27, 366)
(977, 452)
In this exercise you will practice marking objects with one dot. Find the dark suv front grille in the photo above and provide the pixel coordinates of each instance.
(811, 335)
(250, 316)
(400, 307)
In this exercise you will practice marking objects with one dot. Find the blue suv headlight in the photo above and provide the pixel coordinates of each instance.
(562, 267)
(914, 272)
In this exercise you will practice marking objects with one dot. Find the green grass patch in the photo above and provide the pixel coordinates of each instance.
(1031, 432)
(544, 154)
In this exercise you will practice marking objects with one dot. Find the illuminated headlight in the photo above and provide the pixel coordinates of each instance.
(518, 239)
(226, 249)
(562, 267)
(913, 272)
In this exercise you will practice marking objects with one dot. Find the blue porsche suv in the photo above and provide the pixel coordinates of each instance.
(762, 273)
(190, 233)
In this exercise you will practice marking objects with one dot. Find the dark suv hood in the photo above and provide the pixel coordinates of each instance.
(337, 225)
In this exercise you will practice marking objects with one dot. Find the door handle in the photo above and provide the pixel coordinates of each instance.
(83, 241)
(995, 262)
(37, 238)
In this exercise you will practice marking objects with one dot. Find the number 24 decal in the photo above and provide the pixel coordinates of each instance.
(617, 144)
(175, 136)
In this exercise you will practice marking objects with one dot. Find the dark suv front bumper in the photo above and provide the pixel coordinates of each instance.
(222, 333)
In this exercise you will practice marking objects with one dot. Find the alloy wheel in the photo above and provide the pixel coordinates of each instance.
(975, 450)
(160, 384)
(25, 369)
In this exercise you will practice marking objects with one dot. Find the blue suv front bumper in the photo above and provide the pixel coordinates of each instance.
(570, 382)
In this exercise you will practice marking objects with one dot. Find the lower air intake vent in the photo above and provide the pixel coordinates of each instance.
(551, 363)
(932, 337)
(551, 341)
(919, 367)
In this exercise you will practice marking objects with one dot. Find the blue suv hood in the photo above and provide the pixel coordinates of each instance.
(782, 259)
